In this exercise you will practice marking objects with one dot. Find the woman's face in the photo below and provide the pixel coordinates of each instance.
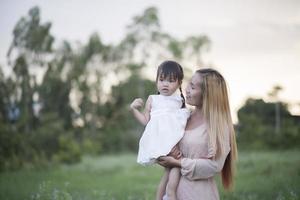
(193, 91)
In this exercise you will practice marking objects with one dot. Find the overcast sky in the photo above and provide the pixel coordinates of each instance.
(255, 43)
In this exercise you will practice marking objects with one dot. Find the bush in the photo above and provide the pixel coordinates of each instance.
(256, 128)
(68, 150)
(49, 142)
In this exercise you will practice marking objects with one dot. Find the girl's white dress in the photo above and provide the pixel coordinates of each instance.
(164, 129)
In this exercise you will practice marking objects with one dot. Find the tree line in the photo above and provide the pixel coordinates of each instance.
(63, 101)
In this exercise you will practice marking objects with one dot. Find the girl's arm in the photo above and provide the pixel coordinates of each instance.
(142, 117)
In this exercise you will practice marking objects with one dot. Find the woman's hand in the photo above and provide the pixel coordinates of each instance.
(169, 161)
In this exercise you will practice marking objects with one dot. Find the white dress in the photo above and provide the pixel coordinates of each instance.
(164, 129)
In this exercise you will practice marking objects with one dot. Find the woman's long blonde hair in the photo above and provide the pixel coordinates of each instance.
(216, 111)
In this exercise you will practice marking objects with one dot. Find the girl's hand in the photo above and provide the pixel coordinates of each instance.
(169, 161)
(137, 103)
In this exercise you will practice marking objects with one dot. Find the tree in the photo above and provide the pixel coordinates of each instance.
(197, 45)
(274, 96)
(81, 103)
(120, 127)
(32, 42)
(31, 38)
(256, 126)
(4, 97)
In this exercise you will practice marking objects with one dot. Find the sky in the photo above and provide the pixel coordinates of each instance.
(255, 43)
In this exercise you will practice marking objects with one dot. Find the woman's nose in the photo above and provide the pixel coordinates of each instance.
(187, 91)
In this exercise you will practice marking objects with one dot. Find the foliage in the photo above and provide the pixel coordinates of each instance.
(68, 113)
(257, 126)
(122, 131)
(80, 105)
(49, 142)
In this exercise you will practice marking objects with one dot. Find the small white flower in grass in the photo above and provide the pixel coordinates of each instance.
(55, 194)
(67, 184)
(293, 195)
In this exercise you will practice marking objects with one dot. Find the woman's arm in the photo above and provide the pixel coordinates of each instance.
(144, 117)
(193, 169)
(200, 168)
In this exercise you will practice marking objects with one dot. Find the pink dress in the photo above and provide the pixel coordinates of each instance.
(198, 168)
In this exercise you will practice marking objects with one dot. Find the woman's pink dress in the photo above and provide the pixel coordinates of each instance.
(198, 168)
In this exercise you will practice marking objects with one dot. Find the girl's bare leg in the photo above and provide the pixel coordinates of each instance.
(173, 181)
(161, 189)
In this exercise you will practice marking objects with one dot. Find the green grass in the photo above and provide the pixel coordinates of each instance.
(267, 175)
(261, 175)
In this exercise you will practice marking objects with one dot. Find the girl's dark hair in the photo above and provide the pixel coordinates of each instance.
(174, 71)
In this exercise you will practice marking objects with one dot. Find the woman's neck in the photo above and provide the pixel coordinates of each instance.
(197, 116)
(198, 111)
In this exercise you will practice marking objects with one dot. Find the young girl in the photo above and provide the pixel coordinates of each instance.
(165, 117)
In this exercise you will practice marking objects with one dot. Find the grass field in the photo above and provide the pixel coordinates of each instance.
(261, 175)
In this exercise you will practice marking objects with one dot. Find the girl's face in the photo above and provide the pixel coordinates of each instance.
(193, 91)
(167, 85)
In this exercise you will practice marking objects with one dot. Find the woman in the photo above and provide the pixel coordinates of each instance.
(208, 145)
